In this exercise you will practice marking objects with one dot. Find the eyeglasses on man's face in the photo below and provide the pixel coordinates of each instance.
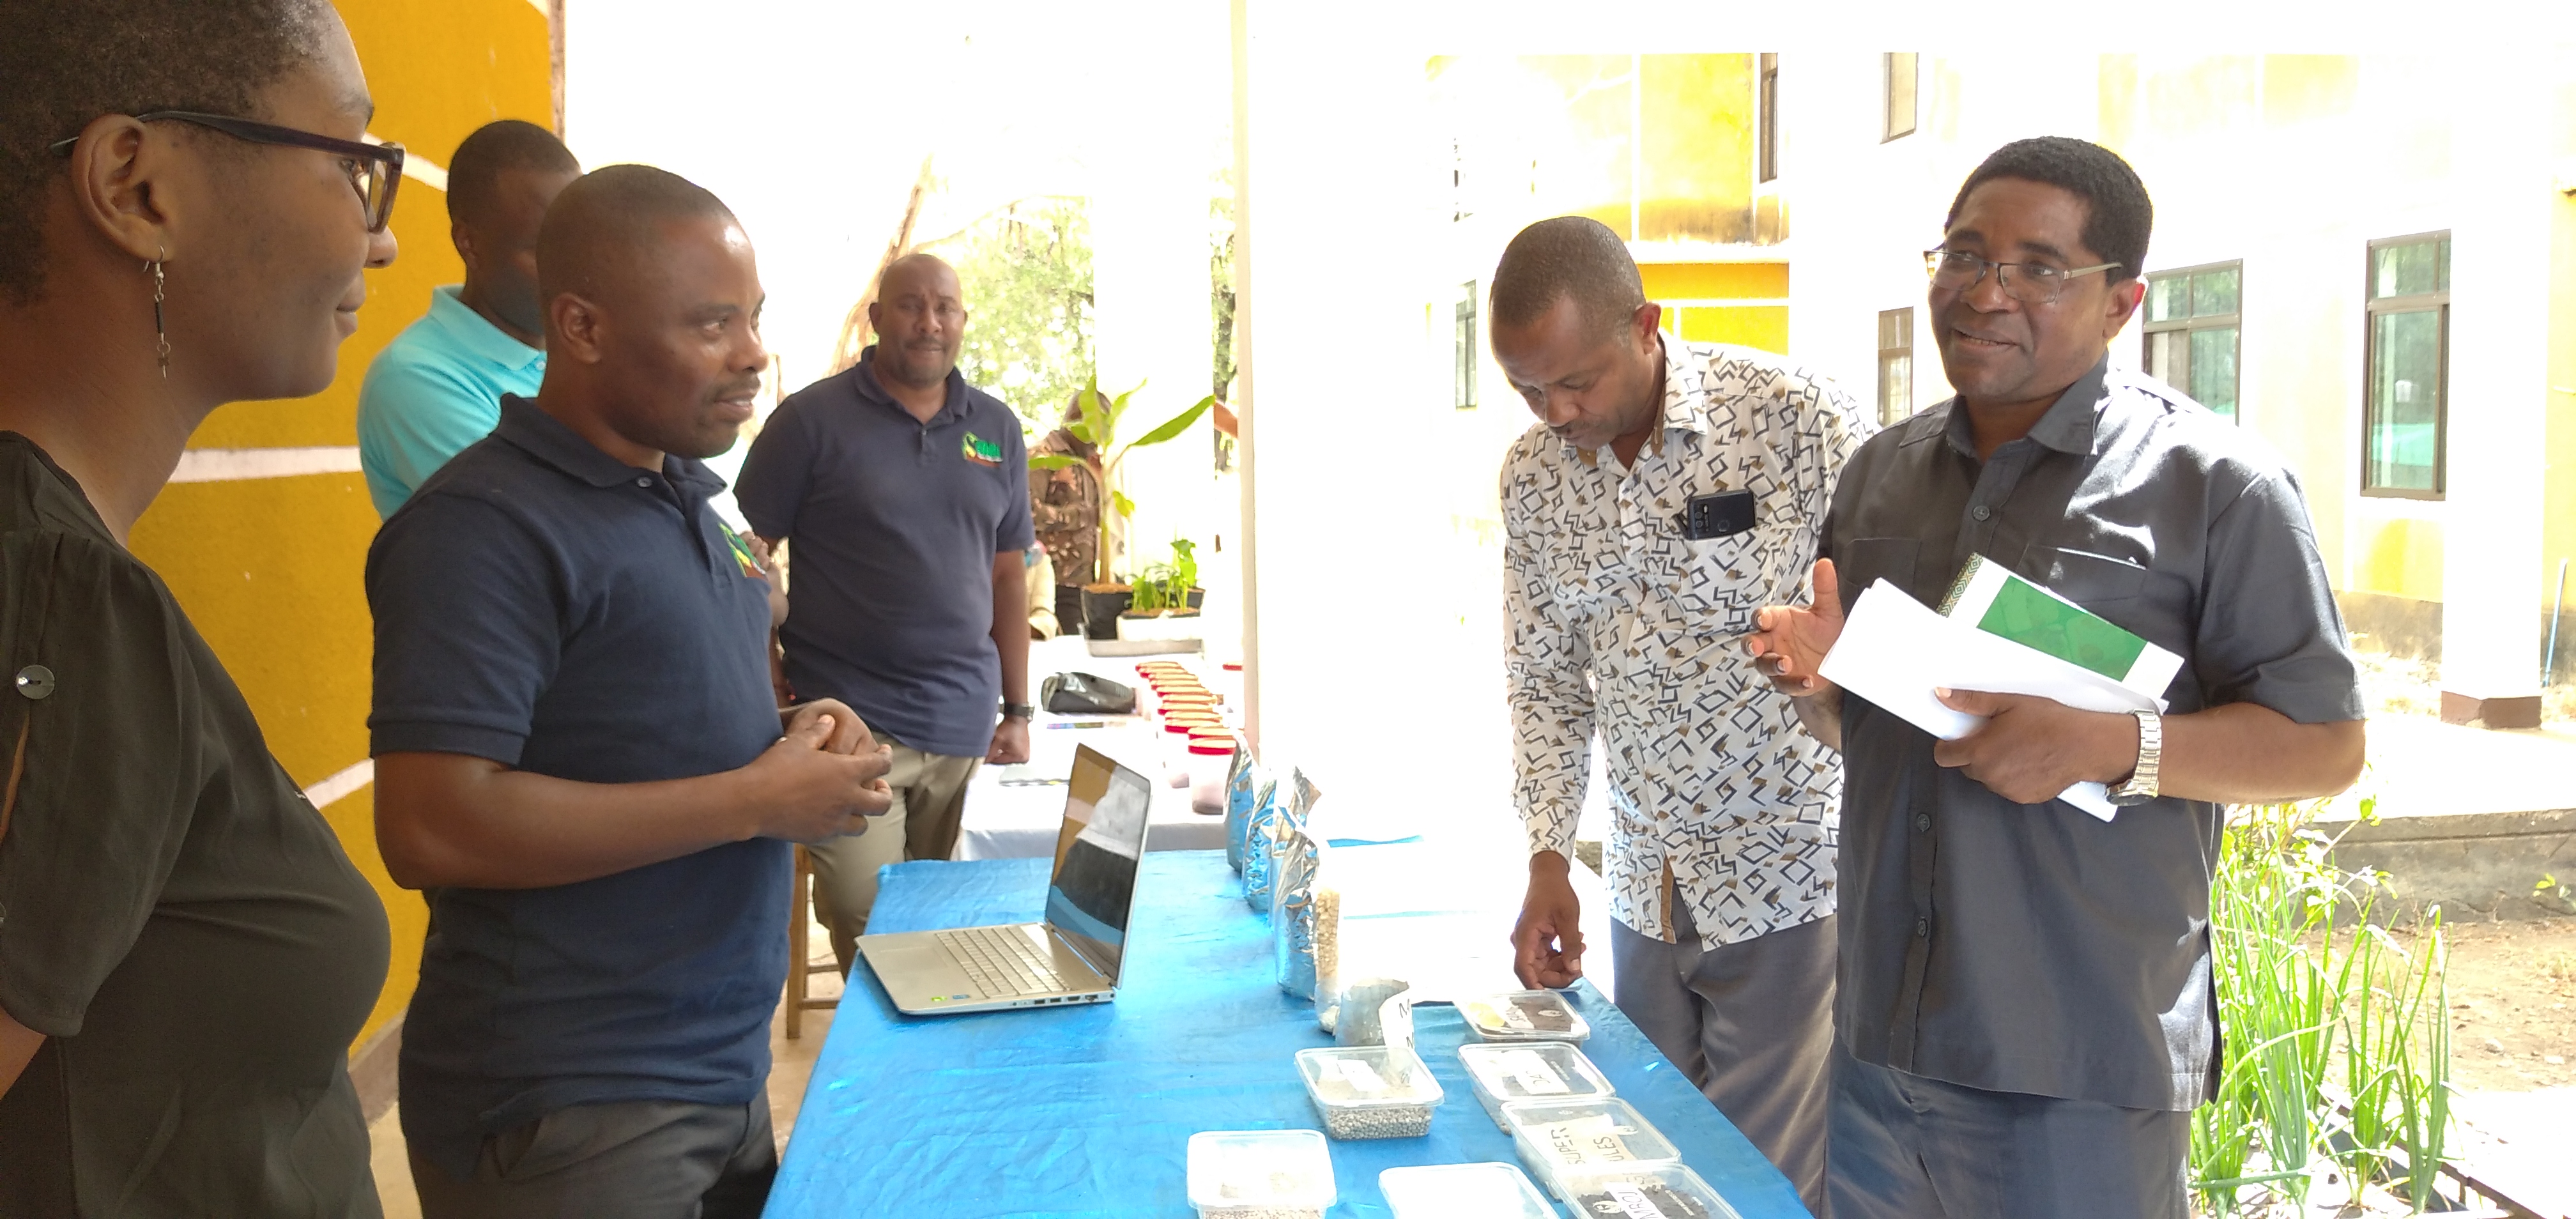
(375, 170)
(2031, 283)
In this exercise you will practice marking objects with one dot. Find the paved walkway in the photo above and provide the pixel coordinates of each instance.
(2422, 767)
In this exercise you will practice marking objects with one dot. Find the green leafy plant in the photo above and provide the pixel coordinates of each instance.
(2302, 991)
(1096, 424)
(1166, 586)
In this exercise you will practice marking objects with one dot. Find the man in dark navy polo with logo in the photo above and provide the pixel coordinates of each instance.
(903, 492)
(578, 753)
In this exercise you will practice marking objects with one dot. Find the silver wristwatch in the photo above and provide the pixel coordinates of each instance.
(2141, 786)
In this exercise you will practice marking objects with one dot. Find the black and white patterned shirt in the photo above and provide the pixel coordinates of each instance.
(1616, 621)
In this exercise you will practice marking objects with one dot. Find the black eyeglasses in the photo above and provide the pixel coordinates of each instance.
(2031, 283)
(375, 170)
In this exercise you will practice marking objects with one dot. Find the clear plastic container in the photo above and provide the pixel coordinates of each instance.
(1535, 1070)
(1670, 1192)
(1462, 1191)
(1370, 1091)
(1261, 1174)
(1558, 1140)
(1524, 1015)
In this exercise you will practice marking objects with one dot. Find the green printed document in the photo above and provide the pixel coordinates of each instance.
(1992, 598)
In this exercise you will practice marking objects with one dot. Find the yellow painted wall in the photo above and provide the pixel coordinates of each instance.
(1658, 147)
(2403, 558)
(1684, 280)
(2558, 529)
(1686, 288)
(1696, 148)
(271, 569)
(1762, 326)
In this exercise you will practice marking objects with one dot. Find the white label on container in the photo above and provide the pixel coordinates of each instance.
(1362, 1077)
(1587, 1140)
(1632, 1202)
(1531, 1074)
(1514, 1017)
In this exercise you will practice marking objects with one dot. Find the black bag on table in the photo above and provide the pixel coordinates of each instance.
(1085, 694)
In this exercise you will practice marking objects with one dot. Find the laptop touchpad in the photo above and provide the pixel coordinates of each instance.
(923, 962)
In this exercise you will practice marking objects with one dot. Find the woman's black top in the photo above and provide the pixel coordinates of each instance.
(175, 917)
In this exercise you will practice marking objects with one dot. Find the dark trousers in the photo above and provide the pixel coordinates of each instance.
(1751, 1023)
(1906, 1147)
(637, 1160)
(1068, 610)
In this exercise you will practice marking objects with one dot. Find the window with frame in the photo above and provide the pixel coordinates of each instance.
(1767, 118)
(1895, 365)
(1462, 378)
(2407, 352)
(1901, 95)
(2193, 329)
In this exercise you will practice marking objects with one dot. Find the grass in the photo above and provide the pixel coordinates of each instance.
(2336, 1054)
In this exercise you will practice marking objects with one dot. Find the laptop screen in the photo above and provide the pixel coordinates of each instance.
(1097, 854)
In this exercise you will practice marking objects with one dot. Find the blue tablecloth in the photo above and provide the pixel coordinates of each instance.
(1088, 1110)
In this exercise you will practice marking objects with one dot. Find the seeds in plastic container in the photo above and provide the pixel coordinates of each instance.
(1524, 1015)
(1260, 1174)
(1370, 1092)
(1672, 1192)
(1504, 1072)
(1561, 1140)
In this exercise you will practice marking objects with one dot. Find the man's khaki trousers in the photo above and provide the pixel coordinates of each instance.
(929, 806)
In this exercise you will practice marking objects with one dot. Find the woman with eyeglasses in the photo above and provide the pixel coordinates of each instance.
(186, 206)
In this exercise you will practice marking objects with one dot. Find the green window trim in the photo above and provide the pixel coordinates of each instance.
(2406, 363)
(2194, 332)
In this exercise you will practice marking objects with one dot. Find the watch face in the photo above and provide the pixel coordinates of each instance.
(2128, 800)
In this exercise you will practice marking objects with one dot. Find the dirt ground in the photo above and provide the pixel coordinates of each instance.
(2513, 984)
(2513, 1004)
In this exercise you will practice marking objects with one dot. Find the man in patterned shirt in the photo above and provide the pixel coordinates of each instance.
(1721, 847)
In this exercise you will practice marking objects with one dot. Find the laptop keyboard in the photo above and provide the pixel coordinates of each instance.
(1002, 961)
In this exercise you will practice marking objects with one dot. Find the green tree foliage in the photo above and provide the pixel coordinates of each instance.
(1026, 274)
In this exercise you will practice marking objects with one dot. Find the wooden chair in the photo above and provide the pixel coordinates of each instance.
(800, 954)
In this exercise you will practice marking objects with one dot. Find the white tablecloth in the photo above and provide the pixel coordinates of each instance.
(1014, 811)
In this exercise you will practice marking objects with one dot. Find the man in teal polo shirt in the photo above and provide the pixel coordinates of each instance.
(437, 387)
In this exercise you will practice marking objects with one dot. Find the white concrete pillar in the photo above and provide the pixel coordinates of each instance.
(2496, 462)
(1343, 478)
(1153, 170)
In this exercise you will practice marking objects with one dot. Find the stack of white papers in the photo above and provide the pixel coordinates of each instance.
(1894, 652)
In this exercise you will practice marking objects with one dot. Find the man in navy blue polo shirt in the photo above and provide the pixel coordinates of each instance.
(904, 493)
(579, 756)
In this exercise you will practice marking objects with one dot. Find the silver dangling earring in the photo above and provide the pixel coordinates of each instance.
(160, 327)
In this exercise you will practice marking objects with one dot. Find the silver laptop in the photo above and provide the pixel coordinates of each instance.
(1072, 957)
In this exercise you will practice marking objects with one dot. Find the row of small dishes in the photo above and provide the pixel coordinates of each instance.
(1584, 1144)
(1187, 707)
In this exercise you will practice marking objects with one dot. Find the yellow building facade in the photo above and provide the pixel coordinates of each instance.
(2367, 260)
(263, 535)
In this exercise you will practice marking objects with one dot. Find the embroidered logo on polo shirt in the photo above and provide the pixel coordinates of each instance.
(742, 553)
(981, 451)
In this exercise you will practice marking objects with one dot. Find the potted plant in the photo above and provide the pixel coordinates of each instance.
(1164, 600)
(1096, 424)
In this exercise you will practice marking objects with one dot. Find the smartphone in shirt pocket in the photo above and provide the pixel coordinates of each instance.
(1736, 563)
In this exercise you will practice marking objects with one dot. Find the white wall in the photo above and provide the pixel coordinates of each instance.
(1365, 675)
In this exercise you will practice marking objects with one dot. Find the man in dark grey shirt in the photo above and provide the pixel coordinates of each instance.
(2025, 1003)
